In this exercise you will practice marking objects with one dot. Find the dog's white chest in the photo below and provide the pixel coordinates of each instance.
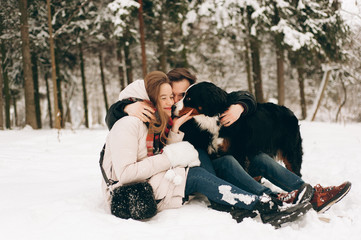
(212, 125)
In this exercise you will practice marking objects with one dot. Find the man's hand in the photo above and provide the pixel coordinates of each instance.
(178, 122)
(231, 115)
(141, 110)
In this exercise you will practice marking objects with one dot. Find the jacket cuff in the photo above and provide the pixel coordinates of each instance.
(245, 107)
(175, 137)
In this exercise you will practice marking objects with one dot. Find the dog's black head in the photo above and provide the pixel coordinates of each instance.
(204, 98)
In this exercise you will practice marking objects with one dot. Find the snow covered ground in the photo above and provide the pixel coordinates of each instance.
(50, 189)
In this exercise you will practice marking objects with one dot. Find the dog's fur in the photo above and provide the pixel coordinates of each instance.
(271, 129)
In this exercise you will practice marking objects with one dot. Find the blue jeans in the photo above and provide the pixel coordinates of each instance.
(265, 166)
(228, 168)
(199, 180)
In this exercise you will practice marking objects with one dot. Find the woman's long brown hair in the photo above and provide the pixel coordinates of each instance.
(152, 83)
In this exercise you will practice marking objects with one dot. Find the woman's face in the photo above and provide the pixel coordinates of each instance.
(166, 98)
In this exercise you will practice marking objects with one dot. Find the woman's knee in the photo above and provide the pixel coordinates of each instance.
(206, 162)
(196, 171)
(195, 177)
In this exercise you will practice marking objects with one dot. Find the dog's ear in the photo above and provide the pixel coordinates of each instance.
(215, 100)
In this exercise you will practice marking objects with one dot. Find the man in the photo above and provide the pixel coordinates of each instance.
(228, 168)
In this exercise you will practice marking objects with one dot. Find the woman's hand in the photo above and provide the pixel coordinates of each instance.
(178, 122)
(141, 110)
(231, 115)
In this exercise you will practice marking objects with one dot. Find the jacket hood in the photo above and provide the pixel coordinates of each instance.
(135, 89)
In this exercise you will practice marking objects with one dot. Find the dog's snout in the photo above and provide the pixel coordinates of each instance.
(178, 107)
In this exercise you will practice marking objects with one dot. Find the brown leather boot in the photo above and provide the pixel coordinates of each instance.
(325, 197)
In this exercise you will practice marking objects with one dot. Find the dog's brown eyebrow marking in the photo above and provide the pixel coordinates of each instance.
(185, 110)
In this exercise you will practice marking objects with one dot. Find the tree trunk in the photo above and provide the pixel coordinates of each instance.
(1, 100)
(142, 38)
(161, 46)
(34, 61)
(183, 53)
(248, 60)
(16, 122)
(59, 89)
(127, 58)
(248, 56)
(68, 96)
(344, 98)
(6, 91)
(280, 75)
(83, 81)
(103, 82)
(128, 63)
(257, 70)
(1, 81)
(57, 112)
(121, 67)
(278, 40)
(30, 116)
(48, 100)
(7, 101)
(326, 77)
(301, 85)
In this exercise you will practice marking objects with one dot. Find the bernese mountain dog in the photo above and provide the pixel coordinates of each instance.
(271, 129)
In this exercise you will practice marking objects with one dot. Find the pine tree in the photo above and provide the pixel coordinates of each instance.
(1, 100)
(28, 76)
(142, 37)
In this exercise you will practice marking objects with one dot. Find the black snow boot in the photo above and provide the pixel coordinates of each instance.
(289, 214)
(272, 211)
(238, 214)
(221, 207)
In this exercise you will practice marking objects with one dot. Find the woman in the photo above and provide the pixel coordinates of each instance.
(135, 152)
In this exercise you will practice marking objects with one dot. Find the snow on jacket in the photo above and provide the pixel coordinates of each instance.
(126, 161)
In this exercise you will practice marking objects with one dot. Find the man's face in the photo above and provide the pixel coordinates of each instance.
(179, 88)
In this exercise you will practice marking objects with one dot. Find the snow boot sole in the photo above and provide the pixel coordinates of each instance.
(288, 215)
(305, 193)
(240, 214)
